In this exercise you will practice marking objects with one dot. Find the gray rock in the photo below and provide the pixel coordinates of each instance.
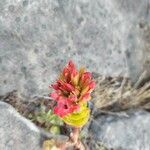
(38, 37)
(122, 132)
(18, 133)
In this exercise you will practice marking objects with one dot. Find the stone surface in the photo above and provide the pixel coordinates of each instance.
(123, 133)
(18, 133)
(38, 37)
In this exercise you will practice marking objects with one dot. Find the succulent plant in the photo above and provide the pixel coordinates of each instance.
(72, 92)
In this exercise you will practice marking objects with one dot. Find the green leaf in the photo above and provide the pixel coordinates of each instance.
(40, 119)
(55, 130)
(49, 112)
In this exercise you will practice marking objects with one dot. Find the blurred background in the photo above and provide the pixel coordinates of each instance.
(111, 38)
(37, 38)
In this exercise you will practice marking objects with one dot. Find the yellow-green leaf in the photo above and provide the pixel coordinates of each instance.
(78, 119)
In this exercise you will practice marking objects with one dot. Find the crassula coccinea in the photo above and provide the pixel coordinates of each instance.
(72, 91)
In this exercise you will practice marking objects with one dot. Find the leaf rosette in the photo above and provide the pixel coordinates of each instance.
(72, 91)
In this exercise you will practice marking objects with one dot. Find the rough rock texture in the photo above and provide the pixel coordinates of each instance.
(18, 133)
(123, 133)
(38, 37)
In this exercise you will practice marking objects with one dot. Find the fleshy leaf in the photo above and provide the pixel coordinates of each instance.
(78, 119)
(72, 91)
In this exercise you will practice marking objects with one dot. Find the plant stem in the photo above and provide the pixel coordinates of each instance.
(75, 135)
(73, 141)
